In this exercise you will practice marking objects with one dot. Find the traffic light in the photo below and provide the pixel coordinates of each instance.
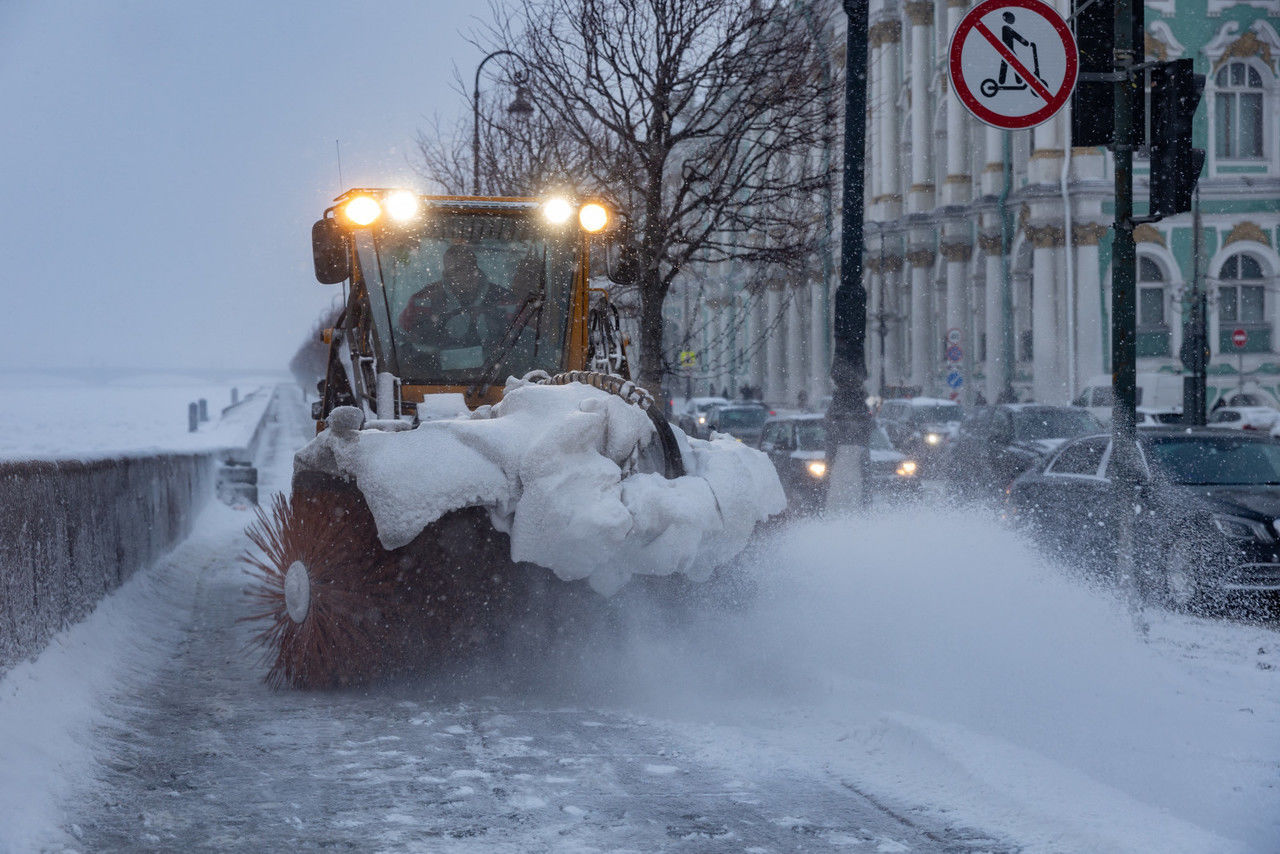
(1093, 102)
(1175, 165)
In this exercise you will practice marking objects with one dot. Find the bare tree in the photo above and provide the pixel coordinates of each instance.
(697, 119)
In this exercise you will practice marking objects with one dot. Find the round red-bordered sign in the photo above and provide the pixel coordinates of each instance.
(1239, 338)
(1013, 63)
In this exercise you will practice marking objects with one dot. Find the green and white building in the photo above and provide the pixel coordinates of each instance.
(938, 182)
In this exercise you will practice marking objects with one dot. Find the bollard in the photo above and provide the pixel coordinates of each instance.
(235, 395)
(204, 409)
(193, 417)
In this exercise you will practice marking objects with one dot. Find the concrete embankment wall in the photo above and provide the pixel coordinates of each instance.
(72, 531)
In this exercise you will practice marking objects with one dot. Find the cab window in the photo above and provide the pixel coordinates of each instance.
(1080, 458)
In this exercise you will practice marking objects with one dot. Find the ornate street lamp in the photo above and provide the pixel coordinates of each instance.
(520, 108)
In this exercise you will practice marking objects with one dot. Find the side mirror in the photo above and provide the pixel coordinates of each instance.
(766, 446)
(330, 253)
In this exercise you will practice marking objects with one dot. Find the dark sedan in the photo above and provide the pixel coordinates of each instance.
(998, 443)
(1206, 526)
(741, 421)
(797, 447)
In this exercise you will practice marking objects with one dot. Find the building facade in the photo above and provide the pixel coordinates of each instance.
(988, 252)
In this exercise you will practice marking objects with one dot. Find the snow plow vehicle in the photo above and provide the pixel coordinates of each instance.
(476, 422)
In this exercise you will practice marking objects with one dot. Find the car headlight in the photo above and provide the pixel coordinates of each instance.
(907, 468)
(817, 468)
(1236, 528)
(932, 438)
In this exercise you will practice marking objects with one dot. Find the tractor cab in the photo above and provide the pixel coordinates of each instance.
(453, 294)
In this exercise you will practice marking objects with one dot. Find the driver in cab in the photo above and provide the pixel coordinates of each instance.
(460, 316)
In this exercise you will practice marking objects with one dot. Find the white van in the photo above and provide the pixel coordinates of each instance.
(1155, 391)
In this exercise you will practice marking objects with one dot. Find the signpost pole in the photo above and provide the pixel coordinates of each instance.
(1124, 453)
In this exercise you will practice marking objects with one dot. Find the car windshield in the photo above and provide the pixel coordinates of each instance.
(938, 414)
(453, 287)
(1212, 460)
(812, 436)
(748, 417)
(1030, 425)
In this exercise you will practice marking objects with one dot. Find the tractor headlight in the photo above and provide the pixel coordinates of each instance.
(932, 439)
(817, 468)
(593, 217)
(362, 210)
(907, 468)
(557, 211)
(702, 419)
(402, 205)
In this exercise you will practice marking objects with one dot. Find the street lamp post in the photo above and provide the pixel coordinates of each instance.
(519, 107)
(848, 421)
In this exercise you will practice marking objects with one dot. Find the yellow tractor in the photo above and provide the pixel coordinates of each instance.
(426, 501)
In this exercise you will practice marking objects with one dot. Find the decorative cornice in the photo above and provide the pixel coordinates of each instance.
(920, 12)
(1261, 41)
(887, 197)
(921, 257)
(885, 32)
(1160, 42)
(991, 243)
(956, 252)
(1047, 154)
(1248, 231)
(921, 188)
(1147, 233)
(1047, 236)
(957, 4)
(960, 179)
(993, 167)
(1087, 233)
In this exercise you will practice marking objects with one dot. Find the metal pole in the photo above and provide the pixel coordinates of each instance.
(1006, 270)
(1194, 335)
(848, 421)
(1124, 453)
(475, 119)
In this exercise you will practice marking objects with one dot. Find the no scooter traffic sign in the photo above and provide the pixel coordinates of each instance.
(1013, 63)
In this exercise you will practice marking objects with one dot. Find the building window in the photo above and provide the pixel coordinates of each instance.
(1242, 304)
(1153, 331)
(1238, 108)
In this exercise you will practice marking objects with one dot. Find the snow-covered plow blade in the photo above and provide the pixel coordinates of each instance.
(407, 545)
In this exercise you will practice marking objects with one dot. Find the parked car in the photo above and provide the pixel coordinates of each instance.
(797, 446)
(921, 427)
(1261, 418)
(1211, 511)
(1001, 442)
(1155, 416)
(743, 421)
(1156, 390)
(692, 418)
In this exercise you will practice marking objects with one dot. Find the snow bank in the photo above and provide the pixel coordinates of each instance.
(548, 463)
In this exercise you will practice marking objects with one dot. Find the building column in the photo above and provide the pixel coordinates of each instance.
(920, 195)
(1089, 356)
(920, 260)
(958, 251)
(756, 344)
(774, 329)
(892, 301)
(793, 372)
(818, 369)
(996, 321)
(1049, 382)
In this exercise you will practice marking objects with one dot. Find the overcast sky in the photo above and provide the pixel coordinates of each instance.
(162, 163)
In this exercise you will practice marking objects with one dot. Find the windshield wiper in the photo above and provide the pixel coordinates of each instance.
(532, 305)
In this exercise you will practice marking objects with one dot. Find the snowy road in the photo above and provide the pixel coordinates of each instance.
(201, 755)
(904, 683)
